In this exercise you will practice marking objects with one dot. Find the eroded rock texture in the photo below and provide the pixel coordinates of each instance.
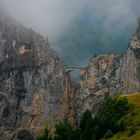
(110, 74)
(101, 78)
(34, 89)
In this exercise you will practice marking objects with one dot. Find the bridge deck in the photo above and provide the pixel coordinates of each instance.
(69, 69)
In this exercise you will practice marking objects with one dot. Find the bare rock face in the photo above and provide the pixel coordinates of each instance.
(130, 72)
(130, 68)
(34, 89)
(101, 78)
(110, 74)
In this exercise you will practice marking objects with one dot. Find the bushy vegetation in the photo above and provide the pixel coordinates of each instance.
(110, 113)
(130, 123)
(109, 121)
(45, 136)
(64, 131)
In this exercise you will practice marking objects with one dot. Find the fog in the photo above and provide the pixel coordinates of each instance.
(48, 17)
(52, 17)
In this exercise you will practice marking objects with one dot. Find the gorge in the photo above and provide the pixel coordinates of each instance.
(36, 89)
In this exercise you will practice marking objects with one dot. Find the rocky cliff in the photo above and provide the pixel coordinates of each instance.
(110, 74)
(34, 89)
(130, 67)
(101, 78)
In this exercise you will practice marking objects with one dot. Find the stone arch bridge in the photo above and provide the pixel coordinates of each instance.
(70, 69)
(81, 70)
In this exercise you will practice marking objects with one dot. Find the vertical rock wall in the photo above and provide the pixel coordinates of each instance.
(34, 89)
(108, 75)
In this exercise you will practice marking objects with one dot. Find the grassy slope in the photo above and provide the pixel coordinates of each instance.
(131, 121)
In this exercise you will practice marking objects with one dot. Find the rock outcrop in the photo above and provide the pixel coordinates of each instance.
(130, 67)
(101, 78)
(34, 89)
(110, 74)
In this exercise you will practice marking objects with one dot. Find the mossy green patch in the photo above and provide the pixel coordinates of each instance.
(130, 123)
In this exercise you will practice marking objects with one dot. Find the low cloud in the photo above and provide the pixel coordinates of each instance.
(52, 17)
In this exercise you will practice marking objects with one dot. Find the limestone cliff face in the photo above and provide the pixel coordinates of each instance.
(130, 72)
(130, 68)
(34, 89)
(109, 74)
(101, 78)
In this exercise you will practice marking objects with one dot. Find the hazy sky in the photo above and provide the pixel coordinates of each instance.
(52, 17)
(45, 16)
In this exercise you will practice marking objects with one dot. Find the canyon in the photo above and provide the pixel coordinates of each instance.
(36, 89)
